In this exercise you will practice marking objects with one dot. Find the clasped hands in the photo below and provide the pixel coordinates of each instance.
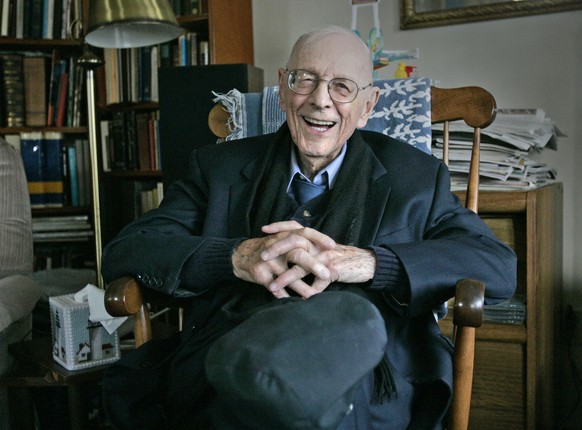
(289, 252)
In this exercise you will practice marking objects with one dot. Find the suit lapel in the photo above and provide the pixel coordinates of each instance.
(239, 204)
(378, 193)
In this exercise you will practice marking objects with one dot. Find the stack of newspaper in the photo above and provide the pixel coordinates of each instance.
(505, 149)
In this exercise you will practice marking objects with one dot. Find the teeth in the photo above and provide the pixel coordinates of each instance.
(319, 122)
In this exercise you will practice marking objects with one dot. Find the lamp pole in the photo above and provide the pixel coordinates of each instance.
(89, 61)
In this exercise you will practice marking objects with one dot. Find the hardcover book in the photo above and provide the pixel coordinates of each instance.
(31, 144)
(12, 90)
(35, 82)
(53, 178)
(42, 157)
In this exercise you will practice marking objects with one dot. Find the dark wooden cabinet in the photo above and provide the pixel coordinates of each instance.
(516, 365)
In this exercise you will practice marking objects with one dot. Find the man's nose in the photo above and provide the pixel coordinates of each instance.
(320, 97)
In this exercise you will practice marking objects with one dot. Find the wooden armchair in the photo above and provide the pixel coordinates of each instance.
(476, 107)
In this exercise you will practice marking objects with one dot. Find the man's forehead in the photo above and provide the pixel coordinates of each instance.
(333, 56)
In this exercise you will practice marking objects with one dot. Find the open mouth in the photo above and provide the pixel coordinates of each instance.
(319, 125)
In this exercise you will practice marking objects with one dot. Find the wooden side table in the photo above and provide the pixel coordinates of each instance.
(35, 367)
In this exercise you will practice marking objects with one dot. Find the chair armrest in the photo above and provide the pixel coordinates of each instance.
(469, 299)
(123, 297)
(467, 315)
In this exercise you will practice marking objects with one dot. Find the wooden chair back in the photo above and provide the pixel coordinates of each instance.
(476, 107)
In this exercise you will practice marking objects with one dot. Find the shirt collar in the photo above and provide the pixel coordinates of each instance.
(331, 170)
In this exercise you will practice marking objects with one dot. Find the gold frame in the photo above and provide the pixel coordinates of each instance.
(410, 19)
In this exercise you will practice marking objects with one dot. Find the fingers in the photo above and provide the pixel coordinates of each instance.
(308, 239)
(300, 287)
(280, 226)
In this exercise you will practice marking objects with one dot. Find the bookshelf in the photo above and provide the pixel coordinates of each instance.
(516, 365)
(222, 31)
(43, 105)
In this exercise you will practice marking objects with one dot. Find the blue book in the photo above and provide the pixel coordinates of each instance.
(53, 169)
(31, 151)
(73, 174)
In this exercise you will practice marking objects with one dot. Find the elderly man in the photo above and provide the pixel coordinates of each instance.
(379, 218)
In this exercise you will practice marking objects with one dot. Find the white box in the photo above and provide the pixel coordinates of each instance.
(79, 343)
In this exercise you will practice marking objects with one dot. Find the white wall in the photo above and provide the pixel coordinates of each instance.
(525, 62)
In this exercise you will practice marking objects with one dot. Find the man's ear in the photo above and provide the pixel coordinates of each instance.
(282, 85)
(369, 104)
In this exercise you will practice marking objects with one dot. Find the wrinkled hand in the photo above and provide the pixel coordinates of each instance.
(290, 252)
(295, 248)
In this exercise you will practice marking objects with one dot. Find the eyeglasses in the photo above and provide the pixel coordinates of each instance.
(341, 90)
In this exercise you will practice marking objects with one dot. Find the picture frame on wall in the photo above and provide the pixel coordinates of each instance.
(433, 13)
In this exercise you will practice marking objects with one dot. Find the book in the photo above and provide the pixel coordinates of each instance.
(55, 75)
(36, 8)
(83, 171)
(12, 90)
(132, 161)
(105, 145)
(19, 19)
(142, 138)
(48, 19)
(31, 151)
(53, 176)
(4, 32)
(35, 82)
(73, 174)
(145, 74)
(61, 106)
(117, 135)
(69, 117)
(79, 107)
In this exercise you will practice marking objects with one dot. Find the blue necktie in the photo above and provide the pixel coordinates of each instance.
(303, 190)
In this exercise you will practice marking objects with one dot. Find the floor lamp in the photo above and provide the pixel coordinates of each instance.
(118, 24)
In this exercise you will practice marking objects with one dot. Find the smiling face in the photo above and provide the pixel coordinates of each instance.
(320, 126)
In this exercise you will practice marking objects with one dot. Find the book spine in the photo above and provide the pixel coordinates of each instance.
(36, 9)
(119, 144)
(131, 140)
(53, 169)
(105, 145)
(53, 87)
(61, 107)
(142, 137)
(4, 19)
(31, 144)
(70, 109)
(34, 71)
(13, 90)
(73, 174)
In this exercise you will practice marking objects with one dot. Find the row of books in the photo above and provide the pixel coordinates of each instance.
(507, 146)
(132, 74)
(40, 19)
(190, 50)
(38, 90)
(58, 169)
(130, 141)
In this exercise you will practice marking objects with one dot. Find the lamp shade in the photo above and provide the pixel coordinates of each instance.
(131, 23)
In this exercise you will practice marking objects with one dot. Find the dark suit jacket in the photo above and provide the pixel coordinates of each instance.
(409, 208)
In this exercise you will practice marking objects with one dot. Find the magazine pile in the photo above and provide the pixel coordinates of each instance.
(506, 149)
